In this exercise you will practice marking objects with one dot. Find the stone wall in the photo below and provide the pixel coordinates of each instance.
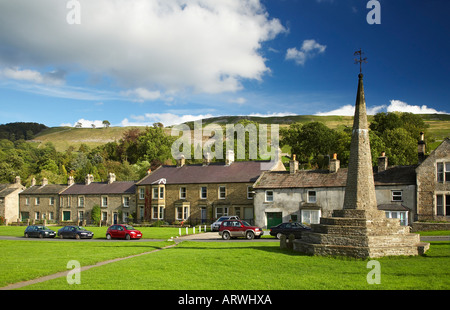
(426, 226)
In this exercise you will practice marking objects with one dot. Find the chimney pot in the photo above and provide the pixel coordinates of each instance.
(44, 181)
(335, 164)
(293, 165)
(382, 162)
(229, 157)
(70, 181)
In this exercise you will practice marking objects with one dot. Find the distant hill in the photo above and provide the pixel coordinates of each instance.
(63, 137)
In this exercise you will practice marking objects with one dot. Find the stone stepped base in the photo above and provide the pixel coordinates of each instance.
(358, 236)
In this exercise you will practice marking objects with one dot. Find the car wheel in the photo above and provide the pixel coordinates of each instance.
(249, 235)
(226, 235)
(41, 236)
(108, 236)
(279, 235)
(127, 236)
(61, 237)
(26, 235)
(77, 236)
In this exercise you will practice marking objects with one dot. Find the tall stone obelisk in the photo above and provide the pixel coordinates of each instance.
(360, 188)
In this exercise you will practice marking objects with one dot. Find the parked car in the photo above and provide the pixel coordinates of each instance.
(123, 231)
(215, 226)
(237, 228)
(77, 232)
(289, 228)
(39, 231)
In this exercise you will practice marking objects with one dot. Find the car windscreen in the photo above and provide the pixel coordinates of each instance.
(245, 223)
(80, 228)
(129, 227)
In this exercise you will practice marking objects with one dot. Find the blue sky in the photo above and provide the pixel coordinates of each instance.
(137, 62)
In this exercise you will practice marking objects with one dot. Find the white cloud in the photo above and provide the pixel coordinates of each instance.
(207, 46)
(32, 76)
(309, 49)
(84, 123)
(141, 94)
(395, 105)
(167, 119)
(239, 101)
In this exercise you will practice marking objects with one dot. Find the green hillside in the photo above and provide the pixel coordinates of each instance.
(64, 137)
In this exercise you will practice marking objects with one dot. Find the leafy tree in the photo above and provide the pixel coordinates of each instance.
(401, 148)
(96, 214)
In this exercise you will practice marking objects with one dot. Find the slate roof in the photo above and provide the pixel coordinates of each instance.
(396, 175)
(101, 188)
(44, 190)
(237, 172)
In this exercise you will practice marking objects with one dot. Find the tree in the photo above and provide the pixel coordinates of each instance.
(96, 214)
(401, 148)
(106, 123)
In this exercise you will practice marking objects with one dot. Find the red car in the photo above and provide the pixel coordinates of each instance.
(123, 231)
(237, 228)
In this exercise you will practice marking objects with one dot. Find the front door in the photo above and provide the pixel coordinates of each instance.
(115, 217)
(274, 218)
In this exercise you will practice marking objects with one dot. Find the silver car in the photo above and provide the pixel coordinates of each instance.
(215, 226)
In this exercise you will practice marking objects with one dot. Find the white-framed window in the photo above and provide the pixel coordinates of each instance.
(222, 192)
(125, 216)
(52, 201)
(37, 201)
(443, 204)
(104, 216)
(312, 197)
(161, 192)
(158, 212)
(269, 196)
(81, 201)
(397, 195)
(37, 215)
(249, 192)
(51, 215)
(221, 211)
(104, 201)
(155, 193)
(443, 172)
(310, 216)
(402, 215)
(182, 213)
(203, 192)
(141, 193)
(126, 201)
(27, 201)
(182, 192)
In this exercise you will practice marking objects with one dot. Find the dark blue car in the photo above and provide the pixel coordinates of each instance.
(289, 228)
(39, 231)
(77, 232)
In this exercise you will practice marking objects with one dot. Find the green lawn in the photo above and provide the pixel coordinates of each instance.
(26, 260)
(239, 266)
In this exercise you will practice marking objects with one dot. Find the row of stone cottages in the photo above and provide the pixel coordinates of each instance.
(259, 194)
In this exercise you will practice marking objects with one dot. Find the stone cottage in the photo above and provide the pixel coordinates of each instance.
(200, 193)
(9, 200)
(433, 185)
(307, 195)
(116, 199)
(41, 202)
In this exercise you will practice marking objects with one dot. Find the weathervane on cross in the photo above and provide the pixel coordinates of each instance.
(360, 60)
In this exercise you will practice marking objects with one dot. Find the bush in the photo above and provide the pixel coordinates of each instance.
(96, 215)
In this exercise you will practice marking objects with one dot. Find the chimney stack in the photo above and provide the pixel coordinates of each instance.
(70, 181)
(181, 162)
(17, 180)
(44, 181)
(293, 165)
(207, 159)
(33, 182)
(382, 162)
(111, 178)
(421, 147)
(229, 157)
(335, 164)
(89, 179)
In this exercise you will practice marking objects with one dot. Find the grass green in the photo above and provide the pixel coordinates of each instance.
(258, 266)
